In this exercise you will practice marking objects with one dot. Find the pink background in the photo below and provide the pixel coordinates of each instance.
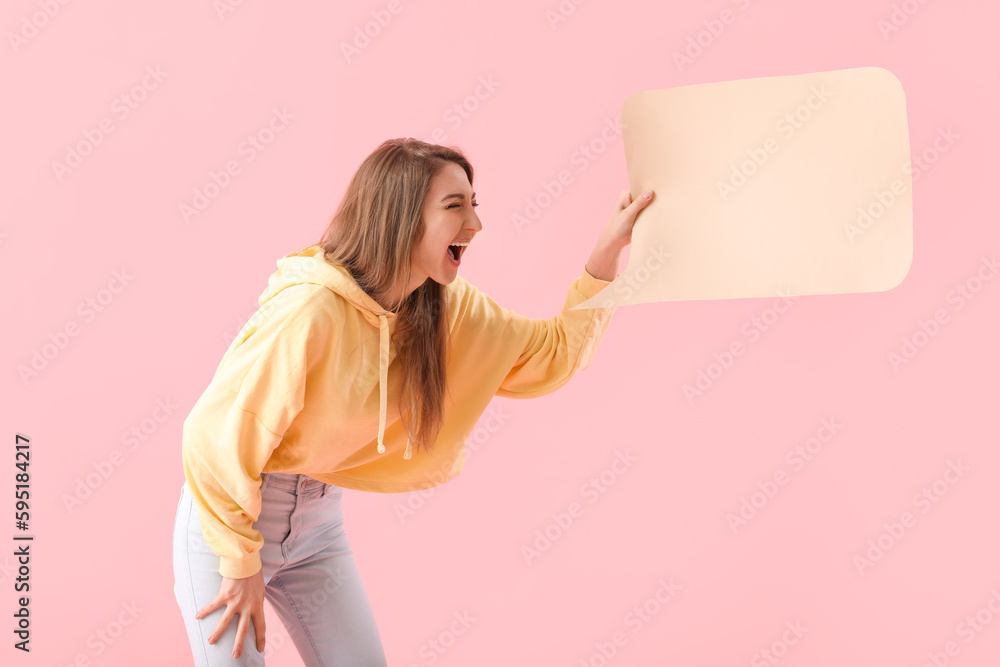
(191, 285)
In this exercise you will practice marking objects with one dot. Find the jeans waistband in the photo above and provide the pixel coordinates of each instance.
(297, 484)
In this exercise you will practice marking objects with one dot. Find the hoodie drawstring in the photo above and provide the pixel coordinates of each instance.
(383, 379)
(310, 265)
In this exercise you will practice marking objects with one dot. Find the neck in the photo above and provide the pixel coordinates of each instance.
(415, 282)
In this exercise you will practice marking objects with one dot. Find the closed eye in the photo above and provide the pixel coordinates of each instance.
(453, 205)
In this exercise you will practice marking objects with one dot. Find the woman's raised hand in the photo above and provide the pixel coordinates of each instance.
(623, 219)
(604, 260)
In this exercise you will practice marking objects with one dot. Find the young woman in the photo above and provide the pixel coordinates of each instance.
(367, 366)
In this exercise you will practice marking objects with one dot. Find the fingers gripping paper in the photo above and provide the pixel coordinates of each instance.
(777, 185)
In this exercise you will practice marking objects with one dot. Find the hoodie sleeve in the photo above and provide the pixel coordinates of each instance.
(257, 390)
(552, 350)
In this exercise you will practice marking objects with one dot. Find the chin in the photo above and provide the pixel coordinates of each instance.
(446, 281)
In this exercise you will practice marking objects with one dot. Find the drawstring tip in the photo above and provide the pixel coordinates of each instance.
(381, 448)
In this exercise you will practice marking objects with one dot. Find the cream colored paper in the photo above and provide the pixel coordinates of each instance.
(787, 184)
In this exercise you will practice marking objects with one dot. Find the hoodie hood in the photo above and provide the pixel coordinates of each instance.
(309, 266)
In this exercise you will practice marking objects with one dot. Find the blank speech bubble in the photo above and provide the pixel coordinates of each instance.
(785, 184)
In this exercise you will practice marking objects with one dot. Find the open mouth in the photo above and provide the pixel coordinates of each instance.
(455, 252)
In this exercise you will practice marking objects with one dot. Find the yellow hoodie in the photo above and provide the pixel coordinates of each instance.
(308, 386)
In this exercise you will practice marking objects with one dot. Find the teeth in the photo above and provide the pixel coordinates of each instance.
(466, 243)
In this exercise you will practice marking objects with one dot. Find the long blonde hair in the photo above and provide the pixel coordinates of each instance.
(373, 232)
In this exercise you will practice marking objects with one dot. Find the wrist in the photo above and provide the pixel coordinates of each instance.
(604, 260)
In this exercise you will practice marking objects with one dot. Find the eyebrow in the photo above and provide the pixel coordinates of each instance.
(457, 194)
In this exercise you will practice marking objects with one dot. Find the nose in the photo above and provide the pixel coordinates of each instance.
(474, 223)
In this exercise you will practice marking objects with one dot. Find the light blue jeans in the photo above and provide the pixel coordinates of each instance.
(310, 577)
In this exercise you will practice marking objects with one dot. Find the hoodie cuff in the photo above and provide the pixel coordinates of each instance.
(589, 285)
(239, 568)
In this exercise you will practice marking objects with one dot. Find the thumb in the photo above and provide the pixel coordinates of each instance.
(640, 203)
(624, 199)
